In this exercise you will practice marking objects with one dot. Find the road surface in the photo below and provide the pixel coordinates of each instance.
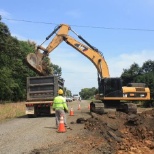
(22, 135)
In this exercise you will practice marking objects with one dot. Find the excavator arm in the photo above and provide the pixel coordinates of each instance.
(35, 60)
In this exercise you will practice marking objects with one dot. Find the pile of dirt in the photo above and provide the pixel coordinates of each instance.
(125, 133)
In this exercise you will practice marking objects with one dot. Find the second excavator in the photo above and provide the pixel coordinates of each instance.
(111, 92)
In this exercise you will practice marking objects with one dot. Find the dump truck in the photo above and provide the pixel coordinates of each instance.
(41, 91)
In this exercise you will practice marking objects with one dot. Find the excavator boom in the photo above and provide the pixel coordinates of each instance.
(35, 60)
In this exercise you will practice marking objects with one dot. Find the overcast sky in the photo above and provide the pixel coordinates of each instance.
(123, 30)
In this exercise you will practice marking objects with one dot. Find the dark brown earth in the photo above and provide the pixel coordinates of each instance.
(111, 133)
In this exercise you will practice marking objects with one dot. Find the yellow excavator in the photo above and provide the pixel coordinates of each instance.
(111, 93)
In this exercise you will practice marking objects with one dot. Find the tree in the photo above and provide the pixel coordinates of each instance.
(147, 67)
(129, 75)
(4, 29)
(67, 92)
(48, 66)
(88, 93)
(144, 74)
(56, 69)
(14, 68)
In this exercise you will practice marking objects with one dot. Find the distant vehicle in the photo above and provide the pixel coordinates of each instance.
(69, 99)
(76, 97)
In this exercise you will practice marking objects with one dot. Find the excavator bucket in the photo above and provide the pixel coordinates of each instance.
(34, 61)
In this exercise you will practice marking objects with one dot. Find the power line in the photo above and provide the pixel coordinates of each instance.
(35, 22)
(98, 27)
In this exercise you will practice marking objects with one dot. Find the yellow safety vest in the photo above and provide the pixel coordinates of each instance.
(59, 103)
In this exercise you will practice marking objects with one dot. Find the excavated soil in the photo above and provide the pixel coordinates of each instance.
(110, 133)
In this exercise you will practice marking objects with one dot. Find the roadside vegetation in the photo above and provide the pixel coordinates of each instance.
(11, 110)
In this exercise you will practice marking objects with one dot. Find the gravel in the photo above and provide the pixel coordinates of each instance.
(23, 135)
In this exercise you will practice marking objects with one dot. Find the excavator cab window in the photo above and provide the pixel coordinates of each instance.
(136, 85)
(111, 87)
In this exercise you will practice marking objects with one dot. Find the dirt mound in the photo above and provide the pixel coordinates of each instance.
(125, 133)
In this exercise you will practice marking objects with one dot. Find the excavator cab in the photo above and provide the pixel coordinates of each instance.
(111, 87)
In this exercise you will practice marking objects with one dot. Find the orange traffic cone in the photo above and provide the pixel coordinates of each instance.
(79, 107)
(61, 127)
(71, 112)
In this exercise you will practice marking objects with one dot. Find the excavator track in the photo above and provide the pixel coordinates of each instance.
(97, 107)
(129, 108)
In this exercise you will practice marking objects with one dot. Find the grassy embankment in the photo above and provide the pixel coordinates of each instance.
(11, 110)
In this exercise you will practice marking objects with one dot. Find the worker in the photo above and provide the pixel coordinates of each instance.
(60, 107)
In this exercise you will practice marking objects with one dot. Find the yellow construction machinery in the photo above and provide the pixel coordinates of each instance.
(111, 92)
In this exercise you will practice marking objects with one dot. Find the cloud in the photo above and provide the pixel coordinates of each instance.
(125, 60)
(4, 13)
(71, 60)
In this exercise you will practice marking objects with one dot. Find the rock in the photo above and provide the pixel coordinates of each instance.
(118, 139)
(112, 126)
(113, 116)
(122, 147)
(149, 144)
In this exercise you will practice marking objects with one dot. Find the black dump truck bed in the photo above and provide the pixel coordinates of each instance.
(43, 88)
